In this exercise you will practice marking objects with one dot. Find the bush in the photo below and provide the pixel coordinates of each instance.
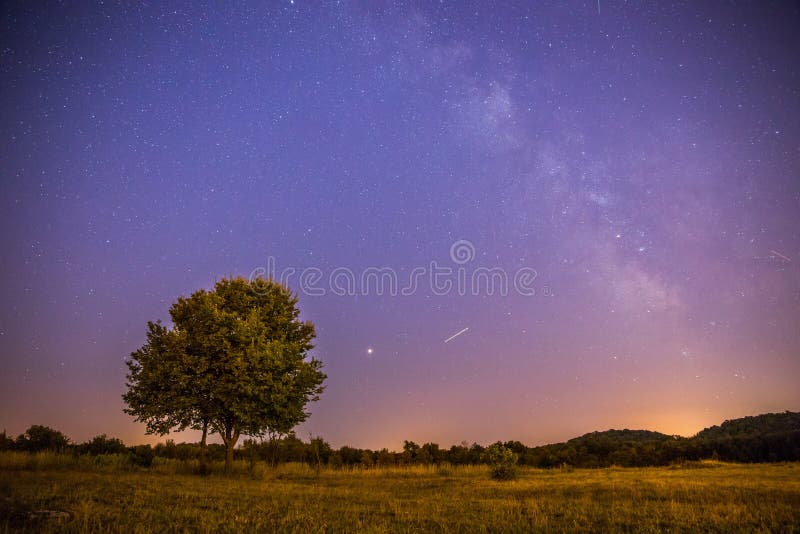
(142, 455)
(6, 442)
(102, 444)
(502, 462)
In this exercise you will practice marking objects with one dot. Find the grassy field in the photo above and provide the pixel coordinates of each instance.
(108, 495)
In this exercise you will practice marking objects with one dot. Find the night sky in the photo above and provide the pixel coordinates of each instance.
(643, 158)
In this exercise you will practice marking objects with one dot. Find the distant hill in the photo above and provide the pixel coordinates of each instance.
(773, 437)
(757, 425)
(635, 436)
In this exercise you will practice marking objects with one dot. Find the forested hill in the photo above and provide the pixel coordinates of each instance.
(770, 437)
(750, 426)
(757, 425)
(622, 436)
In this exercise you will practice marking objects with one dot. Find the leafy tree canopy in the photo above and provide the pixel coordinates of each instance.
(42, 438)
(235, 361)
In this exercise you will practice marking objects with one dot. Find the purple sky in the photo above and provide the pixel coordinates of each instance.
(643, 158)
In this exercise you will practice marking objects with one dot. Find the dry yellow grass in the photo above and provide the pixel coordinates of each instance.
(106, 497)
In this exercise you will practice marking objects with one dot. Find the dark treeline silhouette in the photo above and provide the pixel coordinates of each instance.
(764, 438)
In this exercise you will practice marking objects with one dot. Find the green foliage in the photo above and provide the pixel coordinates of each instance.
(234, 362)
(502, 462)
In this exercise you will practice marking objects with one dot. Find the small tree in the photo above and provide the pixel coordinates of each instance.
(234, 362)
(502, 462)
(410, 452)
(6, 442)
(42, 438)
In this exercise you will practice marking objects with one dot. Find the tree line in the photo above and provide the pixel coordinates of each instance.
(764, 438)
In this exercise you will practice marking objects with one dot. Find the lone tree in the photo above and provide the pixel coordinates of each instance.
(235, 362)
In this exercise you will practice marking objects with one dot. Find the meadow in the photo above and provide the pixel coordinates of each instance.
(47, 492)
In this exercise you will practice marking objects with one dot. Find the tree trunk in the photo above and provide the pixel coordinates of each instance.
(273, 446)
(230, 437)
(229, 455)
(204, 449)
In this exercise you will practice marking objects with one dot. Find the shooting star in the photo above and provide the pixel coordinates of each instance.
(778, 254)
(451, 338)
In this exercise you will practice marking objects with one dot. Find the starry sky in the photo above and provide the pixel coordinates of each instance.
(642, 158)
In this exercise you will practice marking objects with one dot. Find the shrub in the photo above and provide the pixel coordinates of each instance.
(102, 444)
(6, 442)
(142, 455)
(502, 462)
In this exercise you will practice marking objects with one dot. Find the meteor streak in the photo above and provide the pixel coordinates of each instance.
(776, 253)
(456, 335)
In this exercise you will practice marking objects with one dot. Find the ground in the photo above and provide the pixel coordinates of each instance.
(104, 496)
